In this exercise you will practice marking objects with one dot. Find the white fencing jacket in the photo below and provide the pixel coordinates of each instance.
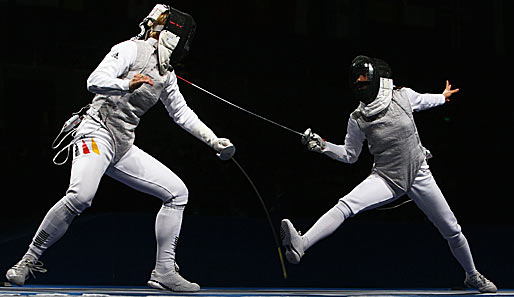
(121, 110)
(397, 167)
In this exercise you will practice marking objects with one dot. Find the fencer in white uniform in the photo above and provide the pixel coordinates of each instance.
(384, 118)
(132, 77)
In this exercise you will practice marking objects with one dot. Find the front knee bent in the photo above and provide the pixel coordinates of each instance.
(178, 198)
(344, 208)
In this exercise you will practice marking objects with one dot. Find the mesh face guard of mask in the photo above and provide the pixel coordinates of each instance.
(371, 70)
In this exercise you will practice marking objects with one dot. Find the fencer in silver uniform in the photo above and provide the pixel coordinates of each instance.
(132, 78)
(384, 118)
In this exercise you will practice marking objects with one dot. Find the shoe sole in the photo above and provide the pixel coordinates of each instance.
(292, 255)
(157, 285)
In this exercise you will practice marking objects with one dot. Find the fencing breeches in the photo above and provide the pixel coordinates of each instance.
(374, 192)
(92, 158)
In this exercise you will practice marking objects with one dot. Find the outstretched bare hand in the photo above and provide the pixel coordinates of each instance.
(448, 91)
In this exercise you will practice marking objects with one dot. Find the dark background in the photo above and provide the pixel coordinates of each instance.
(287, 61)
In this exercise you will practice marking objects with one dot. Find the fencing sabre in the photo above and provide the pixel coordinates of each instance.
(228, 153)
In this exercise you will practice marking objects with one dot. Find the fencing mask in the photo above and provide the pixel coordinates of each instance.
(364, 77)
(175, 37)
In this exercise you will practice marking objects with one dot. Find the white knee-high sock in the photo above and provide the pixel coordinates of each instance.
(52, 228)
(167, 230)
(326, 224)
(461, 251)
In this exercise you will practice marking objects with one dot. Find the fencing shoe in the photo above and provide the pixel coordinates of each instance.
(19, 273)
(479, 282)
(171, 281)
(292, 241)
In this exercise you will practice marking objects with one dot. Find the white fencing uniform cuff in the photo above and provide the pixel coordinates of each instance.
(204, 133)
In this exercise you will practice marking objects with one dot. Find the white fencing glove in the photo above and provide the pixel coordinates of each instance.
(313, 141)
(224, 148)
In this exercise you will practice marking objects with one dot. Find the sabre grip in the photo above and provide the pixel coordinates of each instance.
(227, 153)
(307, 135)
(313, 141)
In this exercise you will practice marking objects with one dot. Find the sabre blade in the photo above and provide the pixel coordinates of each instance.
(240, 108)
(274, 233)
